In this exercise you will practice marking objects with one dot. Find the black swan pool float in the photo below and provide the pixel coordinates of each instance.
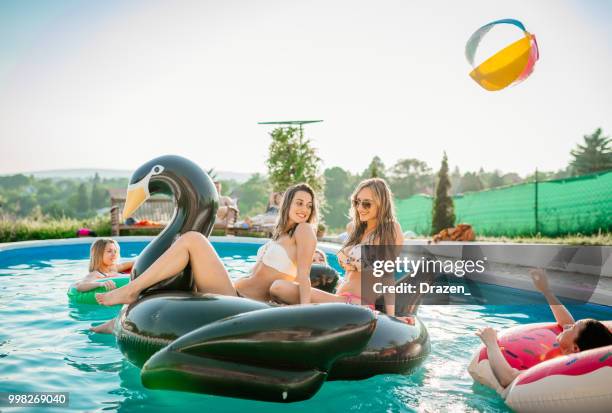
(237, 347)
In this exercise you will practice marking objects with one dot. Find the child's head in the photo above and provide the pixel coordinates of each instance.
(319, 257)
(104, 253)
(584, 335)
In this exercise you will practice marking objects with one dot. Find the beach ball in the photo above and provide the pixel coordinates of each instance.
(510, 65)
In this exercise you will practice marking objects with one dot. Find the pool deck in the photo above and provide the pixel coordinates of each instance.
(513, 274)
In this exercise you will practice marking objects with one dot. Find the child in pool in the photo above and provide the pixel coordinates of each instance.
(577, 336)
(104, 255)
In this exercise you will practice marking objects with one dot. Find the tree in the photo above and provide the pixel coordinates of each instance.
(455, 179)
(409, 176)
(376, 169)
(292, 160)
(443, 214)
(82, 202)
(253, 195)
(58, 210)
(98, 194)
(339, 185)
(26, 204)
(594, 155)
(15, 181)
(471, 182)
(512, 178)
(491, 179)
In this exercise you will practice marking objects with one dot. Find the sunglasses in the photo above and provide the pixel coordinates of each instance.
(365, 204)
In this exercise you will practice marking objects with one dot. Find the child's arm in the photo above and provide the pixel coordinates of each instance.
(503, 371)
(540, 281)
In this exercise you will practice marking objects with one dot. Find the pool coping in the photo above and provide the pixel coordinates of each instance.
(328, 247)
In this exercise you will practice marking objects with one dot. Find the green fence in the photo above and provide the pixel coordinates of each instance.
(565, 206)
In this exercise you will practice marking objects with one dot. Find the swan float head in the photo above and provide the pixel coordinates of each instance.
(195, 207)
(138, 191)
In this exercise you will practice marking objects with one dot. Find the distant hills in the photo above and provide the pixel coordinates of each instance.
(117, 173)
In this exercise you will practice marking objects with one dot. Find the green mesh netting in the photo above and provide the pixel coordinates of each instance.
(565, 206)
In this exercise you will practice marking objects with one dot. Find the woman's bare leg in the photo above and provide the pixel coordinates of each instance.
(191, 248)
(289, 293)
(105, 328)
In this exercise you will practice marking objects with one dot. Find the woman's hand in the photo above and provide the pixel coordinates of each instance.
(342, 258)
(488, 335)
(347, 263)
(109, 285)
(540, 279)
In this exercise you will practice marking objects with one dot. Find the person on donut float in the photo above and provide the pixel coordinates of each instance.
(373, 222)
(576, 336)
(104, 255)
(287, 256)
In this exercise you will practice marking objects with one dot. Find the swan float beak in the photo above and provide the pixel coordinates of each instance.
(135, 198)
(138, 193)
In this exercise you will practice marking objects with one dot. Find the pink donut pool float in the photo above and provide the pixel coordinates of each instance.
(548, 381)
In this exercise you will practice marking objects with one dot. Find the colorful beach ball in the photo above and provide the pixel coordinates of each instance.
(510, 65)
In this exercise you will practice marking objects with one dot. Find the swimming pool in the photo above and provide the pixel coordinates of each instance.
(45, 345)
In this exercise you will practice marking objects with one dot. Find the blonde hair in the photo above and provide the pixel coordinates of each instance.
(323, 255)
(96, 252)
(282, 223)
(385, 232)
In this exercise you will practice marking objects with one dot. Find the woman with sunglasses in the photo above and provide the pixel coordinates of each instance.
(373, 222)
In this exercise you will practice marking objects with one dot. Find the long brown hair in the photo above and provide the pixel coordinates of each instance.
(96, 253)
(282, 223)
(384, 232)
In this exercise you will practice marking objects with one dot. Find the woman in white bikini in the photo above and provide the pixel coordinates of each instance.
(288, 256)
(373, 222)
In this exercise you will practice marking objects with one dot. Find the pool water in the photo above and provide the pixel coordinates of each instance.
(45, 345)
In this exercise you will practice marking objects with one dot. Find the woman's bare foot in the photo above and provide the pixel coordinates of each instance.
(104, 328)
(122, 295)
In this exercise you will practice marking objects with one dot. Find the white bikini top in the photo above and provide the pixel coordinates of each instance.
(274, 255)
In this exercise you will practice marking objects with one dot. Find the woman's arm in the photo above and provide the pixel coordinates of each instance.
(540, 282)
(84, 285)
(88, 283)
(503, 371)
(306, 243)
(125, 266)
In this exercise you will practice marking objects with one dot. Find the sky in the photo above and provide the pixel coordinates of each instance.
(112, 84)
